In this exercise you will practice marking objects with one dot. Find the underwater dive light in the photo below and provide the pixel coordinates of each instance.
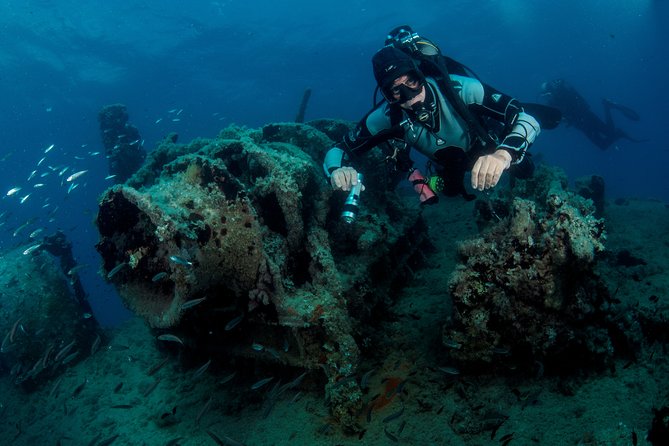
(352, 203)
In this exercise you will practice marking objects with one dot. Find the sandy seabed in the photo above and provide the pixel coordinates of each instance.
(110, 398)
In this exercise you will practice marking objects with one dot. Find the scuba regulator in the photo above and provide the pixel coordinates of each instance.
(352, 203)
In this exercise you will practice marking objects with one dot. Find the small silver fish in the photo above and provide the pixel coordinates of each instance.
(158, 277)
(109, 177)
(200, 371)
(191, 303)
(261, 383)
(180, 261)
(32, 249)
(12, 191)
(76, 175)
(234, 322)
(24, 198)
(48, 149)
(75, 269)
(116, 269)
(450, 370)
(170, 338)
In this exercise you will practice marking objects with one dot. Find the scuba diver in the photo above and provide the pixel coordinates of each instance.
(439, 107)
(576, 112)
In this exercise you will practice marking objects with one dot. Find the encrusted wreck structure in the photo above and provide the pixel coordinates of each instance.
(235, 246)
(123, 144)
(526, 290)
(46, 322)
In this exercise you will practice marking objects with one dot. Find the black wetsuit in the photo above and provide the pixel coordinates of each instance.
(576, 112)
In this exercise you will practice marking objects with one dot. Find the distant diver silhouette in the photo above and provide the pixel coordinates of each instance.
(576, 112)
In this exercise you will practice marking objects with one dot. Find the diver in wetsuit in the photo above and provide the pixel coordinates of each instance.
(576, 111)
(456, 121)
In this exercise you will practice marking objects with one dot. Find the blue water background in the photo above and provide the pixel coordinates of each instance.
(248, 63)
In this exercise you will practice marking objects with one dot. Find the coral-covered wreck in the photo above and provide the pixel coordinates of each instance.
(235, 246)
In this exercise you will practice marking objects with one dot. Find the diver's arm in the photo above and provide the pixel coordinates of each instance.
(521, 128)
(358, 141)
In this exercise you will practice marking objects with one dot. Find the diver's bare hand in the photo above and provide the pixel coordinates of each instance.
(344, 178)
(488, 169)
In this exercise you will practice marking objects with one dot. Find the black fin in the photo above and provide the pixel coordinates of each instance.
(626, 111)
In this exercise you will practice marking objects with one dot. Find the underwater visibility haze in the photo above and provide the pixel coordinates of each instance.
(174, 269)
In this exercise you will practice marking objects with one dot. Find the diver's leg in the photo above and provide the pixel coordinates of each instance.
(626, 111)
(608, 105)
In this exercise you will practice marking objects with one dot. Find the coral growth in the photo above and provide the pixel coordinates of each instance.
(527, 288)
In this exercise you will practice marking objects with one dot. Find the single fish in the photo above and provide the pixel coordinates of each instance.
(48, 149)
(158, 277)
(170, 338)
(116, 269)
(12, 191)
(180, 261)
(41, 161)
(75, 175)
(234, 322)
(75, 269)
(191, 303)
(200, 371)
(36, 232)
(32, 174)
(262, 382)
(32, 249)
(24, 198)
(109, 177)
(228, 378)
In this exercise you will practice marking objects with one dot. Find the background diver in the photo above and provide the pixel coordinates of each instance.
(576, 112)
(440, 108)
